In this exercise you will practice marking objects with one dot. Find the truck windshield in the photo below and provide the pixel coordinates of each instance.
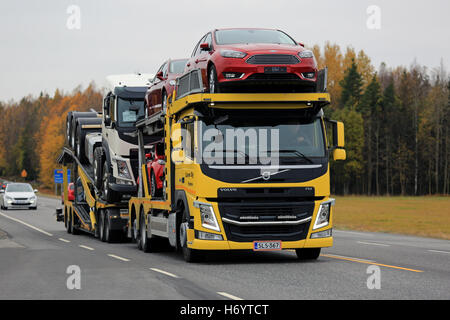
(128, 111)
(242, 36)
(290, 140)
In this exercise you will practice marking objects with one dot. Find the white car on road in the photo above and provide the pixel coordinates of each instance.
(18, 195)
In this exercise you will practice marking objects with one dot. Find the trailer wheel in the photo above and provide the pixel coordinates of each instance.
(73, 230)
(308, 253)
(110, 235)
(101, 225)
(189, 255)
(68, 222)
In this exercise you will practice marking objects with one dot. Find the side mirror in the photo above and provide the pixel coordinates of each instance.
(160, 76)
(148, 156)
(339, 154)
(35, 190)
(107, 121)
(205, 46)
(301, 44)
(338, 133)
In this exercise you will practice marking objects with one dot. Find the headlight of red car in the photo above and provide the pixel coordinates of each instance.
(306, 54)
(232, 54)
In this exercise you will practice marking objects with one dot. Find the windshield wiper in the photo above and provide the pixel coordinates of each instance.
(298, 153)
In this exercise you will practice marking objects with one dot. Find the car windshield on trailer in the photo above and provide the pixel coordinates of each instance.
(177, 66)
(241, 36)
(19, 187)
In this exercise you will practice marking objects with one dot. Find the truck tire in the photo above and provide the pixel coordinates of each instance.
(189, 255)
(68, 126)
(80, 137)
(98, 162)
(73, 230)
(101, 226)
(107, 194)
(308, 253)
(73, 123)
(68, 223)
(146, 243)
(110, 235)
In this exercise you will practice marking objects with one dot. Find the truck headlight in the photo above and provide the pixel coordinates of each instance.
(122, 169)
(323, 214)
(207, 215)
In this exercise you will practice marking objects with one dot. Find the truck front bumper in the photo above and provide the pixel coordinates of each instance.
(200, 244)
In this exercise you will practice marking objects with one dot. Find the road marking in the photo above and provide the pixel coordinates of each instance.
(117, 257)
(369, 262)
(374, 244)
(439, 251)
(85, 247)
(26, 224)
(350, 258)
(353, 232)
(63, 240)
(230, 296)
(165, 272)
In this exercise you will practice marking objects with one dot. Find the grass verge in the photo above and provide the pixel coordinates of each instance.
(418, 216)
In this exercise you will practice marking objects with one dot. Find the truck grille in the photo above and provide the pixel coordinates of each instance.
(273, 59)
(266, 212)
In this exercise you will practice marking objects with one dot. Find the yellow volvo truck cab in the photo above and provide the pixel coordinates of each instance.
(242, 172)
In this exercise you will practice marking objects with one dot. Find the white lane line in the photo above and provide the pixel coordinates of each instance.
(345, 257)
(165, 272)
(64, 240)
(117, 257)
(230, 296)
(374, 244)
(438, 251)
(86, 247)
(26, 224)
(353, 232)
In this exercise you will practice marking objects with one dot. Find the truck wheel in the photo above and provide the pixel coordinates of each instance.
(189, 255)
(110, 235)
(73, 229)
(308, 253)
(68, 223)
(98, 160)
(107, 194)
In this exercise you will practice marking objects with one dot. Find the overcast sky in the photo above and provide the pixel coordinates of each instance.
(40, 53)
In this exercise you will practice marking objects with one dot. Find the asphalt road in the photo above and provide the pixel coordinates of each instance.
(36, 251)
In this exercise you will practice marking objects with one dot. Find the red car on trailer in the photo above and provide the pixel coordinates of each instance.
(162, 85)
(254, 59)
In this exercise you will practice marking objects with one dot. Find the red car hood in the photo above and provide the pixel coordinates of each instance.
(254, 48)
